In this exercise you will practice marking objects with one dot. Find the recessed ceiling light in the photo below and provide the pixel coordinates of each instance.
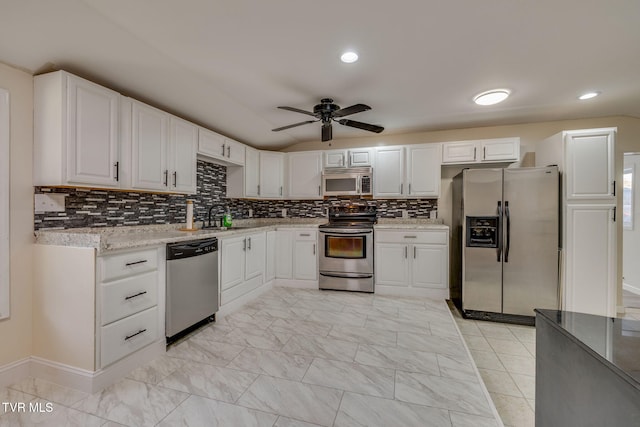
(491, 97)
(349, 57)
(588, 95)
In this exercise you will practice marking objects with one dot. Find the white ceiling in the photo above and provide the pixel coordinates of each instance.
(228, 64)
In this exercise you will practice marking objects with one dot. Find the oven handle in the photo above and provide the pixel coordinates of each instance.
(350, 233)
(348, 275)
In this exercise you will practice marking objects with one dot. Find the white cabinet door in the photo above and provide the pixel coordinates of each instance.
(423, 171)
(589, 172)
(232, 266)
(251, 173)
(590, 260)
(284, 249)
(360, 157)
(305, 263)
(429, 266)
(305, 175)
(271, 251)
(211, 144)
(182, 158)
(497, 150)
(149, 140)
(459, 152)
(335, 158)
(271, 175)
(234, 151)
(392, 264)
(255, 245)
(92, 134)
(388, 172)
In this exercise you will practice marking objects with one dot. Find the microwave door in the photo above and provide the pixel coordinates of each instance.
(336, 185)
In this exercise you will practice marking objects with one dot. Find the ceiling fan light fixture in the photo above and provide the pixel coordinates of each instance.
(349, 57)
(491, 97)
(588, 95)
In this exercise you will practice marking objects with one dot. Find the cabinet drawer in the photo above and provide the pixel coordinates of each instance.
(128, 264)
(306, 235)
(438, 237)
(128, 335)
(130, 295)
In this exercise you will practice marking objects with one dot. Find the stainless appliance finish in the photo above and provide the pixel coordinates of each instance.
(347, 181)
(346, 249)
(192, 284)
(506, 227)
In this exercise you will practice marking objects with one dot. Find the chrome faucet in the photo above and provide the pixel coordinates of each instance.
(209, 215)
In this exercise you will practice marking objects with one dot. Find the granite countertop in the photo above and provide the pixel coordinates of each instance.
(106, 239)
(615, 341)
(411, 223)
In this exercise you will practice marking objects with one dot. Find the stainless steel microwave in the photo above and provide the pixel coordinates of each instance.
(347, 182)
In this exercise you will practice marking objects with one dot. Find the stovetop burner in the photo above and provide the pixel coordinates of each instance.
(351, 216)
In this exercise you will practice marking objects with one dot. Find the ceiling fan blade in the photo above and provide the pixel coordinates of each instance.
(326, 132)
(360, 125)
(297, 110)
(293, 125)
(351, 110)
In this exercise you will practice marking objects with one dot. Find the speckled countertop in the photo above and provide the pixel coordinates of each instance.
(106, 239)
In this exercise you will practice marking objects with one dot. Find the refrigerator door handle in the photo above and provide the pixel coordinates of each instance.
(508, 234)
(499, 233)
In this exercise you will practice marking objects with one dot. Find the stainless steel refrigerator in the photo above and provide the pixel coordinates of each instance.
(506, 235)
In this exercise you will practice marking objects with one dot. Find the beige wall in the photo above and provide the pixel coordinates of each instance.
(627, 140)
(16, 332)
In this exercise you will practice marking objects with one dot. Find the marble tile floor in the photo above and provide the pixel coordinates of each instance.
(297, 357)
(505, 357)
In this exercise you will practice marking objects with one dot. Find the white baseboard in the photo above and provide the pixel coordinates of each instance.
(631, 288)
(295, 283)
(411, 292)
(76, 378)
(235, 304)
(14, 372)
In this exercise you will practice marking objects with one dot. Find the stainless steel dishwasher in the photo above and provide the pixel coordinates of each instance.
(192, 285)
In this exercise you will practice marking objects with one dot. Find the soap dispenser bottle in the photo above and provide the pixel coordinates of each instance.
(226, 219)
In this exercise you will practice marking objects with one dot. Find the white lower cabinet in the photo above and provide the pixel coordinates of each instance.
(412, 262)
(242, 265)
(297, 254)
(270, 266)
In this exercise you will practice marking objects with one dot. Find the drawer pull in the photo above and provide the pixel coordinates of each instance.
(141, 331)
(305, 234)
(410, 237)
(129, 264)
(136, 295)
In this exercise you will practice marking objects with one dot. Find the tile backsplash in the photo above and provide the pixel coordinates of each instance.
(104, 208)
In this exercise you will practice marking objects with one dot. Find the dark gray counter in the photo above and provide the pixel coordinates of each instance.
(587, 370)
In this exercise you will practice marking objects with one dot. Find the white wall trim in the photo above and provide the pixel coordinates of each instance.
(5, 176)
(631, 288)
(14, 372)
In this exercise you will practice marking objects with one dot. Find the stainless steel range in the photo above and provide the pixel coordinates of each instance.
(346, 249)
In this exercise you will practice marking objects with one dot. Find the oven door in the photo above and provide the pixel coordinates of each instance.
(346, 251)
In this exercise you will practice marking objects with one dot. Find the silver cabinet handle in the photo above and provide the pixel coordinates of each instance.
(305, 234)
(244, 244)
(281, 190)
(129, 264)
(613, 185)
(405, 251)
(314, 248)
(319, 190)
(410, 237)
(249, 243)
(474, 153)
(117, 166)
(401, 186)
(175, 178)
(258, 189)
(166, 177)
(414, 252)
(484, 153)
(135, 295)
(409, 188)
(228, 151)
(223, 149)
(141, 331)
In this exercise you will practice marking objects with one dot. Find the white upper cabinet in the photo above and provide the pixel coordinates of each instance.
(388, 172)
(411, 171)
(76, 132)
(150, 143)
(485, 150)
(271, 175)
(304, 175)
(219, 147)
(182, 158)
(589, 167)
(356, 157)
(423, 170)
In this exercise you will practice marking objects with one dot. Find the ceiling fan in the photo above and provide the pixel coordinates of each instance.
(326, 112)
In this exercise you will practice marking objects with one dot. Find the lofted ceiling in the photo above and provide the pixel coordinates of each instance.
(228, 64)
